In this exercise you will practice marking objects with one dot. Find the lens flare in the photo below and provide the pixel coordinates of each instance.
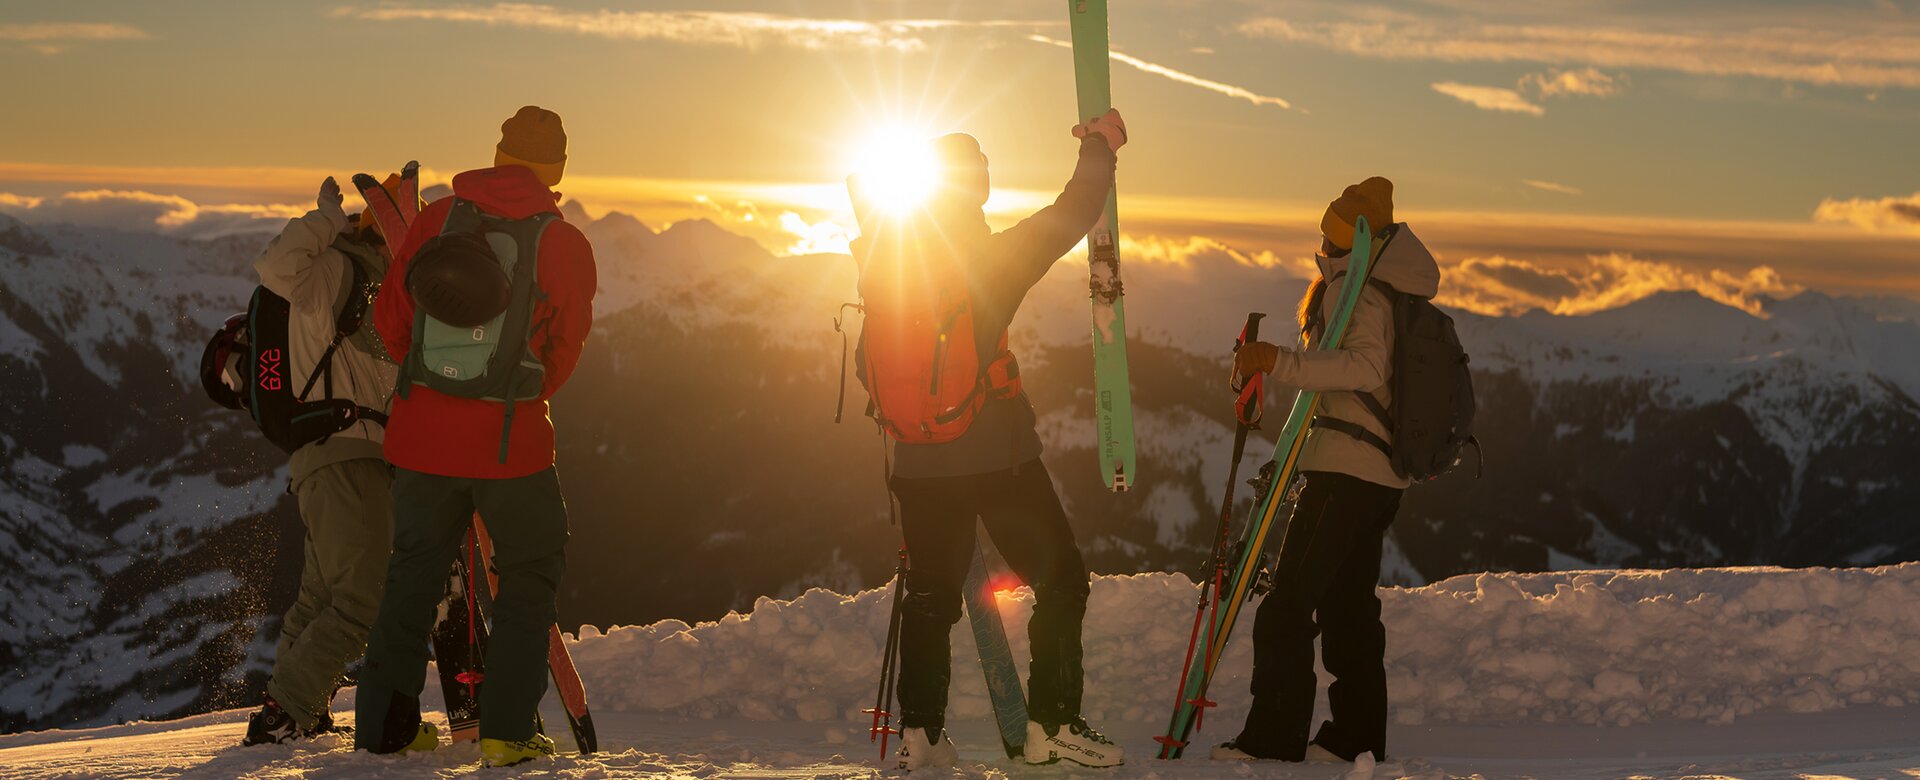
(896, 169)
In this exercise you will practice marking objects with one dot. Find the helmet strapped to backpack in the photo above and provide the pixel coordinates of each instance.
(457, 279)
(246, 366)
(491, 359)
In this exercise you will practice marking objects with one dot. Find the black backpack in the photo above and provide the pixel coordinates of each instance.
(1431, 420)
(252, 347)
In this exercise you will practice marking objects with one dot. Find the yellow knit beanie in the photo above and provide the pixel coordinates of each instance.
(1372, 199)
(533, 138)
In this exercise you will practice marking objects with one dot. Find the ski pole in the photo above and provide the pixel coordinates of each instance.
(883, 700)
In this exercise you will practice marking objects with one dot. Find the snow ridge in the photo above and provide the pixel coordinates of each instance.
(1586, 647)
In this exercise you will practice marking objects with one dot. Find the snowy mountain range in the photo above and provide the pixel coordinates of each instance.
(703, 469)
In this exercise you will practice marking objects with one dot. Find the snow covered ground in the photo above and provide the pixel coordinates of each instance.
(1691, 673)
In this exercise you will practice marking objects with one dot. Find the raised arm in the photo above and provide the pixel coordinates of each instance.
(296, 265)
(1031, 247)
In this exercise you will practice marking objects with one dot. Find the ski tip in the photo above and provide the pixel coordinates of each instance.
(1117, 480)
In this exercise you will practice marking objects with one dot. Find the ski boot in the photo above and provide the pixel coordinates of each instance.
(500, 752)
(921, 747)
(271, 725)
(425, 740)
(1073, 741)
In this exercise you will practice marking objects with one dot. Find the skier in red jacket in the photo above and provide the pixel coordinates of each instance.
(456, 449)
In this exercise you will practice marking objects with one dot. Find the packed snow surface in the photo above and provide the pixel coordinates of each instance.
(1755, 672)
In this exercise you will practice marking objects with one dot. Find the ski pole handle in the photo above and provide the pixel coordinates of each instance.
(1253, 389)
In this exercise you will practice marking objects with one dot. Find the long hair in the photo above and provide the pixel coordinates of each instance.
(1310, 309)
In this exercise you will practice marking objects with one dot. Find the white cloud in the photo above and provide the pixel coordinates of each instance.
(745, 30)
(1894, 215)
(1489, 98)
(1860, 55)
(136, 210)
(1551, 186)
(1229, 90)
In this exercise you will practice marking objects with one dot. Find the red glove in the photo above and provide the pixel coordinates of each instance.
(1109, 126)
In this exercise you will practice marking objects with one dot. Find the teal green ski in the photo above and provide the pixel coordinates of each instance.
(996, 656)
(1243, 560)
(1113, 396)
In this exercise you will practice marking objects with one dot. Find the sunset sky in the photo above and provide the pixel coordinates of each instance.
(1762, 146)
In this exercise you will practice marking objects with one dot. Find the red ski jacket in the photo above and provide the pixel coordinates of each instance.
(435, 433)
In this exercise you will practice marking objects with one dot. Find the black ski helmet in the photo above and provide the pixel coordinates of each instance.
(457, 279)
(220, 370)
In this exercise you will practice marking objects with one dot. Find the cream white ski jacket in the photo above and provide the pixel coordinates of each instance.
(1363, 363)
(304, 266)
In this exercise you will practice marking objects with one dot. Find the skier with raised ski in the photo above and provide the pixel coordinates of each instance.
(1328, 567)
(940, 290)
(342, 484)
(489, 302)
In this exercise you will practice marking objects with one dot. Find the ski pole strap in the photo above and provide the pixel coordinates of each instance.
(840, 406)
(1356, 431)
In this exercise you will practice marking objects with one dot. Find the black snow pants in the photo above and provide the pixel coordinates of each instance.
(1023, 516)
(1324, 584)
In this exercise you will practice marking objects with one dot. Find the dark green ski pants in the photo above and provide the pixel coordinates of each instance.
(527, 519)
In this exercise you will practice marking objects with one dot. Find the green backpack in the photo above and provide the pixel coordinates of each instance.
(495, 361)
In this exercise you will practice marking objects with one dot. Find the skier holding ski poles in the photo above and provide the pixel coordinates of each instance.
(1328, 567)
(489, 302)
(940, 289)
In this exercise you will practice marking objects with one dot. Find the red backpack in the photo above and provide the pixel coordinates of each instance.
(918, 358)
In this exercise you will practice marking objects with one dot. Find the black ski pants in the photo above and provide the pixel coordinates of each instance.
(1324, 582)
(1023, 516)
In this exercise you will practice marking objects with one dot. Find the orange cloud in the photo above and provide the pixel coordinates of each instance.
(1489, 98)
(745, 30)
(1896, 214)
(1864, 56)
(56, 37)
(1555, 83)
(1502, 286)
(1550, 186)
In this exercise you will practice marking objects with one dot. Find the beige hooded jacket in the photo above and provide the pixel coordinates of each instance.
(1363, 363)
(306, 266)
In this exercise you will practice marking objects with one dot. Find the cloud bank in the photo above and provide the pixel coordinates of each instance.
(738, 29)
(1865, 55)
(1503, 286)
(1893, 215)
(134, 210)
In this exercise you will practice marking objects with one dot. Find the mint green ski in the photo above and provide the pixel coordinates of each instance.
(1243, 560)
(1113, 396)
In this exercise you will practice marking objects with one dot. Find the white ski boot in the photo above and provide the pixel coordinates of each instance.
(1072, 741)
(918, 749)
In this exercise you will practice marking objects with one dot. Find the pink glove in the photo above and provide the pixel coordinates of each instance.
(1109, 126)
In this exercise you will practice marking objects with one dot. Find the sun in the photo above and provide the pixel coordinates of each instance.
(896, 168)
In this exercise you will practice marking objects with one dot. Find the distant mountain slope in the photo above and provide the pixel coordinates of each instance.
(703, 469)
